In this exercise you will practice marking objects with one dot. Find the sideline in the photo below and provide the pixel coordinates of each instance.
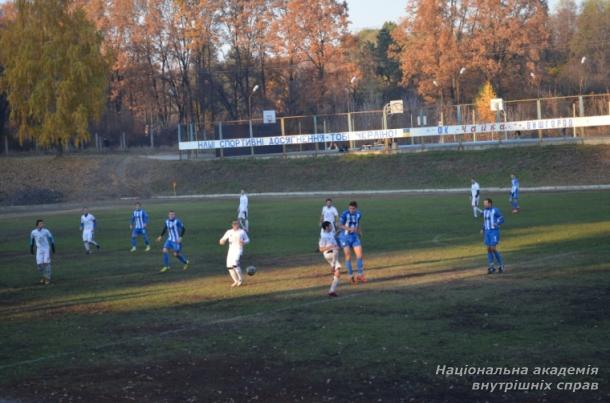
(75, 207)
(324, 193)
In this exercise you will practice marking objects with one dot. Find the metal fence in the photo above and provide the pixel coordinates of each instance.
(418, 116)
(414, 115)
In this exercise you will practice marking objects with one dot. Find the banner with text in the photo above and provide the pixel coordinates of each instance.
(373, 135)
(522, 125)
(369, 135)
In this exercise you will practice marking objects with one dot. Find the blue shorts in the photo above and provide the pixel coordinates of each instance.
(349, 240)
(138, 231)
(175, 246)
(491, 237)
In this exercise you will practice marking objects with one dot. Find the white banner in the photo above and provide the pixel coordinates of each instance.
(298, 139)
(372, 135)
(522, 125)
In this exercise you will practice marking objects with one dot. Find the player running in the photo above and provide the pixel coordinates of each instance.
(175, 231)
(330, 249)
(514, 193)
(242, 211)
(138, 226)
(237, 238)
(43, 240)
(329, 214)
(87, 225)
(475, 192)
(350, 239)
(492, 219)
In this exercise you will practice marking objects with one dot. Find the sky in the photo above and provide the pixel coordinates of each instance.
(373, 13)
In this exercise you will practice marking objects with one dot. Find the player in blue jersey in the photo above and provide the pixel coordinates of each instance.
(42, 239)
(349, 238)
(175, 231)
(492, 219)
(138, 226)
(514, 193)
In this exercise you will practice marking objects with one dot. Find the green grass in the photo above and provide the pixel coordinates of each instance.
(112, 328)
(45, 180)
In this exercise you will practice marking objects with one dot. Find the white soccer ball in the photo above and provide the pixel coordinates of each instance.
(251, 270)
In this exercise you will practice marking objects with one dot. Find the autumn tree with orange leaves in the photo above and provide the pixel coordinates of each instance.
(461, 43)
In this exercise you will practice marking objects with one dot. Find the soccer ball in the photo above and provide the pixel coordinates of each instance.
(251, 270)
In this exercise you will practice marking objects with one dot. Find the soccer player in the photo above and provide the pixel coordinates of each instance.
(492, 219)
(330, 214)
(242, 211)
(175, 231)
(350, 239)
(87, 225)
(330, 249)
(237, 238)
(138, 226)
(475, 192)
(514, 193)
(43, 240)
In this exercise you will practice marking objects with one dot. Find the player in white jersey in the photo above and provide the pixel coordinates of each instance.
(475, 192)
(242, 211)
(237, 238)
(330, 214)
(514, 193)
(87, 225)
(42, 239)
(330, 249)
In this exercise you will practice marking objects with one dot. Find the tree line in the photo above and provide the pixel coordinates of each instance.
(70, 67)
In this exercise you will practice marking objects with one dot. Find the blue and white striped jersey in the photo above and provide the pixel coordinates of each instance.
(139, 218)
(174, 229)
(42, 238)
(514, 189)
(492, 218)
(350, 220)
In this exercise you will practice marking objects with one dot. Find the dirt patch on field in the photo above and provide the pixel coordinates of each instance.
(224, 379)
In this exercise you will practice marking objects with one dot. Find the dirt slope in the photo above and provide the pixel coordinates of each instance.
(40, 180)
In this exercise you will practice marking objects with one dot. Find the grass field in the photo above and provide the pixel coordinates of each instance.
(47, 180)
(112, 328)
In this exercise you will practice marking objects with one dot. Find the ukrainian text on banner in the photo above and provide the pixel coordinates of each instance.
(297, 139)
(523, 125)
(371, 135)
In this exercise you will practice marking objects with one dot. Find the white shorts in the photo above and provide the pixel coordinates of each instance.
(243, 215)
(87, 235)
(43, 256)
(475, 201)
(332, 257)
(233, 259)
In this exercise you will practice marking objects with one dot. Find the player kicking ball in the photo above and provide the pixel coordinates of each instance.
(42, 239)
(87, 225)
(237, 238)
(351, 231)
(175, 231)
(492, 219)
(330, 250)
